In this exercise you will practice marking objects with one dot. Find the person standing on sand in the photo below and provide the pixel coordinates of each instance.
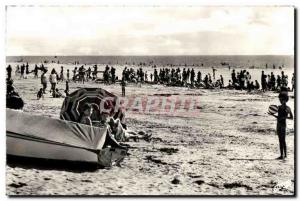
(53, 80)
(293, 82)
(62, 77)
(68, 75)
(284, 112)
(214, 72)
(257, 86)
(36, 70)
(278, 82)
(74, 74)
(221, 81)
(263, 81)
(123, 84)
(27, 69)
(233, 77)
(22, 71)
(9, 70)
(67, 88)
(44, 81)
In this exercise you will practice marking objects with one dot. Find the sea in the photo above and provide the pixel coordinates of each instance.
(259, 61)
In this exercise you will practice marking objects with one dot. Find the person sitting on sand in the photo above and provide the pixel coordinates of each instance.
(230, 85)
(40, 94)
(284, 112)
(57, 94)
(86, 115)
(257, 86)
(118, 132)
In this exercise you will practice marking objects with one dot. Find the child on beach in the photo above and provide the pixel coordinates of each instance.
(284, 112)
(40, 94)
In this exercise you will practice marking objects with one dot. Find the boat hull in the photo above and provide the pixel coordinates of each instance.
(17, 146)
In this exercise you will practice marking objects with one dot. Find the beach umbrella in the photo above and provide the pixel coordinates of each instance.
(73, 104)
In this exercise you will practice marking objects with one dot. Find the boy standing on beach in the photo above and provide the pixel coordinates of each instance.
(284, 112)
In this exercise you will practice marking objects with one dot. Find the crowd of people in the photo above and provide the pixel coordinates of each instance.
(241, 80)
(170, 76)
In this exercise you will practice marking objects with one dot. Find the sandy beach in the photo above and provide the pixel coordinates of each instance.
(227, 147)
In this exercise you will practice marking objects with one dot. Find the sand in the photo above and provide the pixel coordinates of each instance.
(227, 147)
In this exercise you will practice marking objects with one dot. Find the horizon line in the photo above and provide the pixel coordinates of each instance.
(152, 55)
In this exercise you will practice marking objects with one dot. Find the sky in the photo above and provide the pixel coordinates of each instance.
(72, 30)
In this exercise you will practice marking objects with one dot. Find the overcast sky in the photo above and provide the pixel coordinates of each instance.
(149, 30)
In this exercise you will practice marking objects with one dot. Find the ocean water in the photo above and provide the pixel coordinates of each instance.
(207, 61)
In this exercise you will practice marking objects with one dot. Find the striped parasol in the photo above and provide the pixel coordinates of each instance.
(73, 104)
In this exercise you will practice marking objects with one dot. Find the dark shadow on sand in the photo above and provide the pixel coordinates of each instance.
(49, 164)
(252, 159)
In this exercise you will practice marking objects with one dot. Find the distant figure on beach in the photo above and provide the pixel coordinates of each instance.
(284, 112)
(44, 80)
(17, 71)
(9, 70)
(263, 81)
(62, 77)
(22, 71)
(123, 84)
(233, 77)
(81, 72)
(40, 94)
(293, 82)
(68, 75)
(53, 80)
(221, 81)
(214, 72)
(74, 74)
(67, 88)
(257, 86)
(27, 69)
(36, 70)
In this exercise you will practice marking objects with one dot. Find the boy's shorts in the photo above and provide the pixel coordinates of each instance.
(281, 130)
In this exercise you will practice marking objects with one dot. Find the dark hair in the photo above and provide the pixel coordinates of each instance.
(87, 106)
(284, 95)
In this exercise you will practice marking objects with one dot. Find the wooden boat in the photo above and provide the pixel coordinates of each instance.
(47, 138)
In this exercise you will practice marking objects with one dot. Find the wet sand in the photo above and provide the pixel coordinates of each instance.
(228, 148)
